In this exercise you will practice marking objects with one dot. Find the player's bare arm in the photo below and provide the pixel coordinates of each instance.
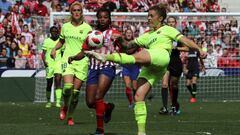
(58, 45)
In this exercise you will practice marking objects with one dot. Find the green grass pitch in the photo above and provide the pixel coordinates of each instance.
(203, 118)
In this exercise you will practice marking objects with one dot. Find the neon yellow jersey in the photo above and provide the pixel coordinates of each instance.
(161, 38)
(74, 37)
(48, 45)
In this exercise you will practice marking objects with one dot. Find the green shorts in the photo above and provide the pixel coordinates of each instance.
(159, 62)
(54, 68)
(78, 69)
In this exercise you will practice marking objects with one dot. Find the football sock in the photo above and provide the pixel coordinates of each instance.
(174, 96)
(74, 102)
(100, 109)
(140, 111)
(58, 93)
(121, 58)
(67, 92)
(194, 90)
(189, 87)
(165, 97)
(48, 94)
(128, 92)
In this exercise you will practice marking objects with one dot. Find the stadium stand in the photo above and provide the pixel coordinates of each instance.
(21, 18)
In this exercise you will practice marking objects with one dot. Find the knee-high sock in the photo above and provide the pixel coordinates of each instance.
(165, 97)
(67, 92)
(58, 93)
(128, 92)
(174, 96)
(48, 95)
(73, 103)
(100, 109)
(194, 90)
(189, 87)
(140, 115)
(121, 58)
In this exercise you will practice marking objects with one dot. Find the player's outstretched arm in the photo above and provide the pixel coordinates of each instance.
(191, 44)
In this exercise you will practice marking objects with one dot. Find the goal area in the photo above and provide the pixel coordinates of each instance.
(220, 82)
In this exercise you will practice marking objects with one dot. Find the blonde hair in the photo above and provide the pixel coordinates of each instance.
(78, 4)
(74, 4)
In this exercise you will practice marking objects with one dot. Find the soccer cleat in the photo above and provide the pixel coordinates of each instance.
(193, 100)
(108, 113)
(48, 105)
(63, 111)
(163, 111)
(70, 122)
(58, 105)
(98, 56)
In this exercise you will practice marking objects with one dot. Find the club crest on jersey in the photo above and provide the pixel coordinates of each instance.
(158, 32)
(81, 31)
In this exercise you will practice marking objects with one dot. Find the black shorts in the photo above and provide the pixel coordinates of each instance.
(175, 67)
(192, 73)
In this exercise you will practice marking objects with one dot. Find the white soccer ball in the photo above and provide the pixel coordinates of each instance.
(95, 39)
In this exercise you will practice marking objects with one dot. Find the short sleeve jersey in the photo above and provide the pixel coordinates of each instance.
(161, 38)
(74, 37)
(48, 45)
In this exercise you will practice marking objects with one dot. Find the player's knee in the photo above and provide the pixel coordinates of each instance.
(164, 85)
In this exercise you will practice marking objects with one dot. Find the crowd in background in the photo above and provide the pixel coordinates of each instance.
(21, 33)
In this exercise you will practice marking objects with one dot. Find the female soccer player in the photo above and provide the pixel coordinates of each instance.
(130, 72)
(72, 35)
(101, 74)
(154, 58)
(191, 70)
(53, 67)
(173, 74)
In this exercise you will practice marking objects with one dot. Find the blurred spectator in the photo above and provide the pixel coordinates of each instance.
(40, 9)
(5, 6)
(190, 7)
(3, 59)
(122, 6)
(28, 35)
(110, 5)
(2, 37)
(234, 25)
(29, 4)
(173, 6)
(20, 60)
(23, 46)
(1, 15)
(48, 4)
(92, 5)
(219, 50)
(33, 26)
(211, 60)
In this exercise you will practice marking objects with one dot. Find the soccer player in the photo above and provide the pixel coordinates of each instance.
(101, 74)
(72, 35)
(191, 70)
(154, 58)
(173, 75)
(53, 67)
(130, 72)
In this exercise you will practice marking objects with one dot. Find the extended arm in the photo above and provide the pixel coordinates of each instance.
(58, 45)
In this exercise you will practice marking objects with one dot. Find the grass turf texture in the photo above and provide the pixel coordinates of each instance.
(205, 118)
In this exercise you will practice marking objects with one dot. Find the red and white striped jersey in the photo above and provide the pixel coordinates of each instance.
(107, 48)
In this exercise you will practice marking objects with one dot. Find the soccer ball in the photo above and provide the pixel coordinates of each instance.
(95, 39)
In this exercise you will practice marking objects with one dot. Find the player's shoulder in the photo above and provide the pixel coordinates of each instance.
(86, 25)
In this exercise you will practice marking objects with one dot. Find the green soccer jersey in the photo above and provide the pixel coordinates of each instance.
(48, 45)
(161, 38)
(74, 37)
